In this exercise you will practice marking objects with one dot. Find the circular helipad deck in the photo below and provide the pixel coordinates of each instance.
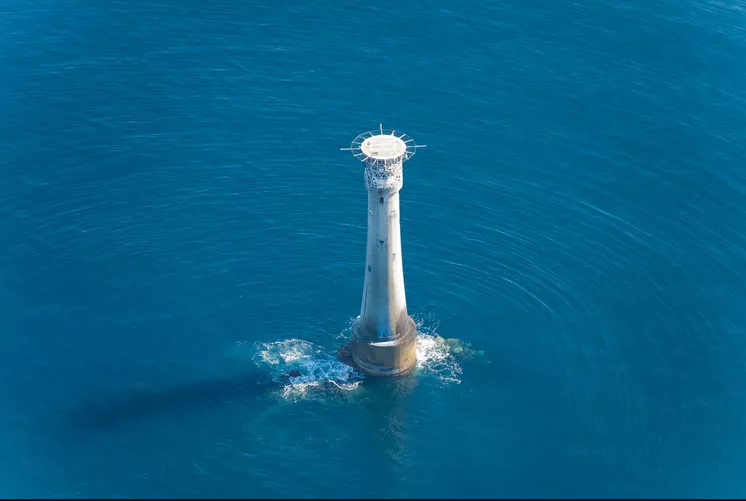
(383, 147)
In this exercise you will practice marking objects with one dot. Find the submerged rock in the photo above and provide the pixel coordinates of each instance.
(345, 355)
(462, 349)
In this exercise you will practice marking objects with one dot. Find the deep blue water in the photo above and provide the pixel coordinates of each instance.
(179, 227)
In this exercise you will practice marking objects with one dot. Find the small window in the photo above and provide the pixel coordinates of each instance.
(381, 200)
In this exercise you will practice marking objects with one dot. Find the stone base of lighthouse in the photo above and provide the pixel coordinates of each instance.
(396, 357)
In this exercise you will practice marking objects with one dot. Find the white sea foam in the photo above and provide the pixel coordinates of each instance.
(321, 370)
(441, 356)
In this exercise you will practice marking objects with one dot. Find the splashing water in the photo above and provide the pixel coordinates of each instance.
(321, 370)
(433, 355)
(442, 356)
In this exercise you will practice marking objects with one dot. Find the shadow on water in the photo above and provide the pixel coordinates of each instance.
(123, 407)
(126, 407)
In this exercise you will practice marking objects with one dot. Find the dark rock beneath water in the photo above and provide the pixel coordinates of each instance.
(345, 354)
(295, 373)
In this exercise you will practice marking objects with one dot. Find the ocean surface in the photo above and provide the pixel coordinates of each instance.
(179, 228)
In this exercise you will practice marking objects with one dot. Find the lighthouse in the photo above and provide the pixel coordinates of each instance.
(384, 336)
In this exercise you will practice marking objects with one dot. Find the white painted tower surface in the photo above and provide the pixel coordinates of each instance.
(384, 335)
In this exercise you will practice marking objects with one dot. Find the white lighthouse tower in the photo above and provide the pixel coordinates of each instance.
(384, 335)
